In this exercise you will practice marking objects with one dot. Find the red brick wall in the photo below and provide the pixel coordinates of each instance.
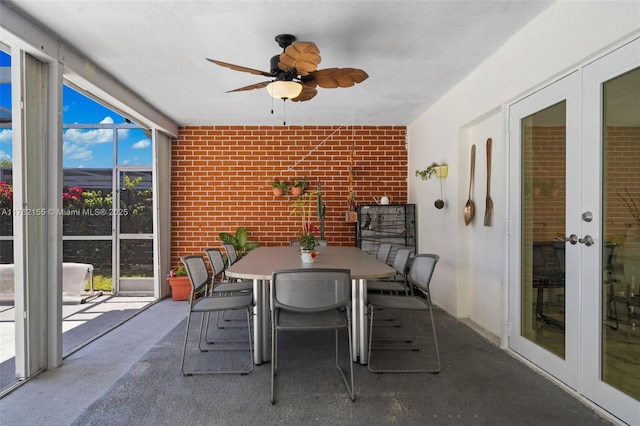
(221, 179)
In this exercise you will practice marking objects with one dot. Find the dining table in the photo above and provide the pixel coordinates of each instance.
(258, 265)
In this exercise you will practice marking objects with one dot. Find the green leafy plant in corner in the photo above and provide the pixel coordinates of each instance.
(181, 272)
(239, 241)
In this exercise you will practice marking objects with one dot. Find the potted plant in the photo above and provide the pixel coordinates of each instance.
(279, 187)
(180, 284)
(299, 185)
(434, 169)
(308, 243)
(307, 239)
(239, 241)
(427, 173)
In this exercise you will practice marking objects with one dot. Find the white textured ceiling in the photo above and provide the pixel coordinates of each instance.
(413, 51)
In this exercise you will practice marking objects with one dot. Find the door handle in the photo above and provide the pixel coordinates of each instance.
(573, 239)
(587, 240)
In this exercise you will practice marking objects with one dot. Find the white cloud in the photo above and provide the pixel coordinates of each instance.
(144, 143)
(6, 135)
(4, 156)
(76, 152)
(89, 137)
(94, 136)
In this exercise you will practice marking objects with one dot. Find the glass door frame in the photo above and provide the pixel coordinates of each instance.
(595, 74)
(582, 368)
(567, 369)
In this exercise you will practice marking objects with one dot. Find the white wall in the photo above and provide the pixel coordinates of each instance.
(470, 280)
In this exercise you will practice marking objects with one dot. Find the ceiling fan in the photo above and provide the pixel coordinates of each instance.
(294, 72)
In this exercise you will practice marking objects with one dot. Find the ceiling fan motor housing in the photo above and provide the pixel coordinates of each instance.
(280, 74)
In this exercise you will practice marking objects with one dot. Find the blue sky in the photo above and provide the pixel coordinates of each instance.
(83, 147)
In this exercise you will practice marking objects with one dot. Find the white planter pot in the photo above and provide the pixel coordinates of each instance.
(308, 256)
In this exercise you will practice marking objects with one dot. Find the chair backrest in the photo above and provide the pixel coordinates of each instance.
(539, 262)
(559, 251)
(197, 271)
(422, 271)
(311, 289)
(216, 260)
(401, 261)
(384, 250)
(232, 254)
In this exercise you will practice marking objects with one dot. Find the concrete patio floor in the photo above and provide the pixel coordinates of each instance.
(479, 384)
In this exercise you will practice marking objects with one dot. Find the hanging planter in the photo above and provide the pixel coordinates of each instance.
(298, 187)
(280, 188)
(440, 171)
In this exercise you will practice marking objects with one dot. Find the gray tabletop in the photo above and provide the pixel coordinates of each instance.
(262, 261)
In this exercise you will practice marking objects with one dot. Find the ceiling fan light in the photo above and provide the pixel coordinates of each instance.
(284, 89)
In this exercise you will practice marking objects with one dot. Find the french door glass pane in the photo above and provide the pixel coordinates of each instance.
(621, 230)
(543, 228)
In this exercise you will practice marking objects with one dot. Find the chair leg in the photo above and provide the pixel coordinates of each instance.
(274, 358)
(184, 347)
(274, 362)
(350, 387)
(249, 313)
(381, 370)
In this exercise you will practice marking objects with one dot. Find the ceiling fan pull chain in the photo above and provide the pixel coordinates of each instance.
(284, 111)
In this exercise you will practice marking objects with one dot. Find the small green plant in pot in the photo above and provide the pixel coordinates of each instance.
(280, 187)
(427, 173)
(298, 187)
(308, 241)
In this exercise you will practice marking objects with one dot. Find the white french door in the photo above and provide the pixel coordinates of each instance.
(544, 296)
(575, 230)
(610, 339)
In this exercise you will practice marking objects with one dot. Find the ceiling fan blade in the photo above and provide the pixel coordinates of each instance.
(304, 56)
(251, 87)
(240, 68)
(308, 92)
(330, 78)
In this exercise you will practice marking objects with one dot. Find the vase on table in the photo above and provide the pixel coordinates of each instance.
(308, 256)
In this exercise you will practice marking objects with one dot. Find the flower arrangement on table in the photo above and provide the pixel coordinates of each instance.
(303, 207)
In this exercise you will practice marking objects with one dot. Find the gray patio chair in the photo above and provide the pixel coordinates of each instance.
(217, 266)
(224, 286)
(383, 252)
(420, 276)
(311, 299)
(399, 283)
(203, 303)
(232, 254)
